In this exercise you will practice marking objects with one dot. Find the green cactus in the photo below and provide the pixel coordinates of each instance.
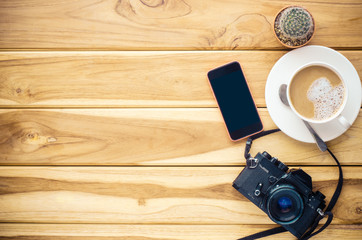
(294, 26)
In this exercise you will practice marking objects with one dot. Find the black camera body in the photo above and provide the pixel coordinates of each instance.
(285, 195)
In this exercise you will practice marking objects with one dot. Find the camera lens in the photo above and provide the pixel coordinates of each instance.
(284, 205)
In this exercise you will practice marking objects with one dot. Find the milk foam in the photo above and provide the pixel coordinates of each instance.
(325, 98)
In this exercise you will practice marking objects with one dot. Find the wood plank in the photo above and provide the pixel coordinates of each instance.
(181, 24)
(151, 195)
(153, 232)
(120, 79)
(150, 137)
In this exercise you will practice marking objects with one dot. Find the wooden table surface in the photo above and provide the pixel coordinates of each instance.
(109, 128)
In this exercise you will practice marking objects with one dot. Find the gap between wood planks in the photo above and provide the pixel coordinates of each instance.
(96, 231)
(103, 107)
(163, 166)
(164, 49)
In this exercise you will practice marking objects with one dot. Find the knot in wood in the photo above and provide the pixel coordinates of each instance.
(358, 210)
(141, 202)
(153, 3)
(32, 136)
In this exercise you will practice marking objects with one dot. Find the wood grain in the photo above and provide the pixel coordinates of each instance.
(149, 137)
(154, 111)
(127, 79)
(165, 195)
(178, 24)
(160, 232)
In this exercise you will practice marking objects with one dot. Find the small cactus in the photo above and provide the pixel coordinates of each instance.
(294, 26)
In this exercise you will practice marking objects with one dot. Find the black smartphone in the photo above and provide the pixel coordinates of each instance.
(235, 101)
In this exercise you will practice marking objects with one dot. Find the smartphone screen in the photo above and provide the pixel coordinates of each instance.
(235, 101)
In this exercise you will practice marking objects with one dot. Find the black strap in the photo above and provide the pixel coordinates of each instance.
(339, 185)
(264, 233)
(250, 141)
(328, 212)
(329, 220)
(331, 204)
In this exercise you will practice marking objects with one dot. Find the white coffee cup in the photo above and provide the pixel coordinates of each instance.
(338, 115)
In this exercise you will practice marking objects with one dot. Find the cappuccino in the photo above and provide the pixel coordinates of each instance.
(317, 92)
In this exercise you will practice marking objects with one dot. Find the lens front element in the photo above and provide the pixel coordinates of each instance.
(284, 205)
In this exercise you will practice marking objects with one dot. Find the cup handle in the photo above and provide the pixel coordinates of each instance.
(343, 121)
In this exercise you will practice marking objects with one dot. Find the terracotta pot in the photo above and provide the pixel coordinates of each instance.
(293, 46)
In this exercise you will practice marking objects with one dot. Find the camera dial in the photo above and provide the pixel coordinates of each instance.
(282, 167)
(267, 155)
(275, 161)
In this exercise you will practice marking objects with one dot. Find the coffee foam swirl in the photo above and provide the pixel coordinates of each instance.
(325, 98)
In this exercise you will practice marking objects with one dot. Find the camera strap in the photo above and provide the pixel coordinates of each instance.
(250, 162)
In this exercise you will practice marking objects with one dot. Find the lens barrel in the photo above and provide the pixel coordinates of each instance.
(284, 205)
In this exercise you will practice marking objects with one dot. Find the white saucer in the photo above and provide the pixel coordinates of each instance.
(283, 69)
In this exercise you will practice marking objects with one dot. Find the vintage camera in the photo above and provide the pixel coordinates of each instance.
(285, 195)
